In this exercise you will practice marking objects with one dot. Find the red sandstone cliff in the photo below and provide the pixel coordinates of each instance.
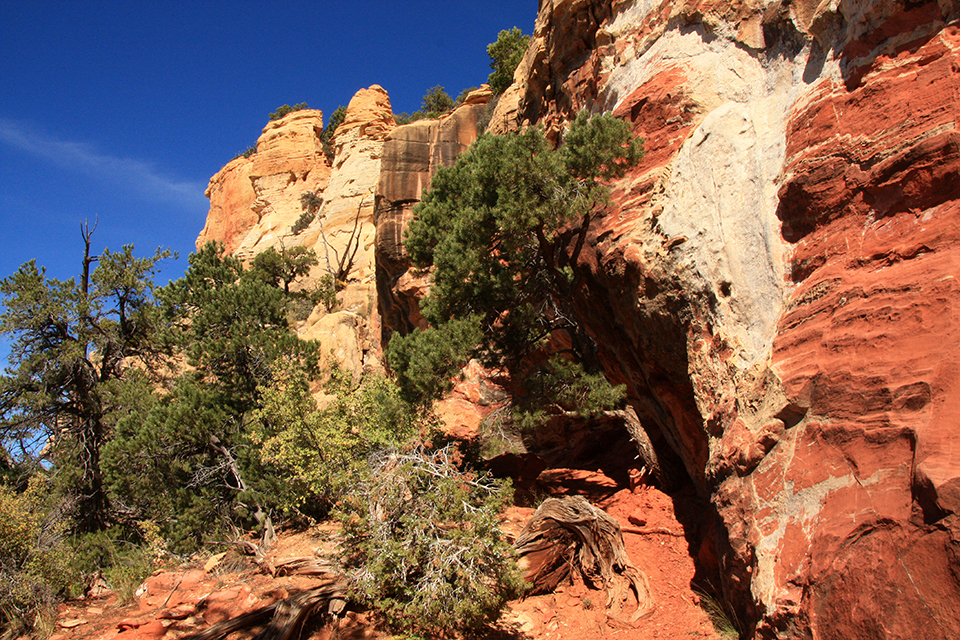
(775, 283)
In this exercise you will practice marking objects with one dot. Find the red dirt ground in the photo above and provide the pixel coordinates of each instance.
(176, 602)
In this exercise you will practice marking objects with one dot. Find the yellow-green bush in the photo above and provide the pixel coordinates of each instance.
(36, 563)
(318, 453)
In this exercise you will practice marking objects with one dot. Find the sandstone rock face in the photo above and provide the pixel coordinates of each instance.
(411, 156)
(344, 231)
(866, 346)
(776, 286)
(231, 199)
(348, 201)
(254, 203)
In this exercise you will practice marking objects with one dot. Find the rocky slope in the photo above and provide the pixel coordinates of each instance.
(775, 283)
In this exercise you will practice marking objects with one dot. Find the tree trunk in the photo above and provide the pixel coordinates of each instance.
(92, 504)
(285, 616)
(570, 534)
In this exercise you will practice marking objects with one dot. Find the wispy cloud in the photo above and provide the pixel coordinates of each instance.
(131, 174)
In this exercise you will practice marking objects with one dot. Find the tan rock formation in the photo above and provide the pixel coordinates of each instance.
(231, 199)
(255, 201)
(412, 154)
(348, 201)
(344, 231)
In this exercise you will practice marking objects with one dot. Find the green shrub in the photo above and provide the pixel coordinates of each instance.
(426, 361)
(423, 543)
(505, 56)
(502, 230)
(336, 119)
(285, 109)
(436, 102)
(563, 386)
(37, 566)
(122, 556)
(326, 293)
(320, 453)
(304, 221)
(246, 154)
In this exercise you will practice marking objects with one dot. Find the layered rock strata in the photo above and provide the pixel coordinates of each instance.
(775, 283)
(254, 201)
(412, 154)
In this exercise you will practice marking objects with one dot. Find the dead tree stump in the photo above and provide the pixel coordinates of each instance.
(570, 534)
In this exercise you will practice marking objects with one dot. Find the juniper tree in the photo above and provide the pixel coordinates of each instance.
(502, 231)
(336, 119)
(281, 268)
(505, 56)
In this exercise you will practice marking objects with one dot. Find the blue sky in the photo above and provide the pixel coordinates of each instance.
(121, 111)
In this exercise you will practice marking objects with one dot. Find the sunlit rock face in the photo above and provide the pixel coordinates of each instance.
(776, 285)
(255, 202)
(412, 154)
(231, 197)
(775, 282)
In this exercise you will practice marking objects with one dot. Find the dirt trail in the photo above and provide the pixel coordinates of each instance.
(656, 543)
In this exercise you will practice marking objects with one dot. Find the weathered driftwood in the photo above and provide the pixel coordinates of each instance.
(285, 616)
(570, 534)
(305, 566)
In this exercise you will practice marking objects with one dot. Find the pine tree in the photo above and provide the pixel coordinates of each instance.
(284, 266)
(505, 56)
(191, 455)
(71, 343)
(503, 230)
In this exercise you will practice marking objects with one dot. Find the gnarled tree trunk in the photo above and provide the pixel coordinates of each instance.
(570, 534)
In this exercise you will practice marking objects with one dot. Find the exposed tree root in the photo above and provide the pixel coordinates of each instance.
(567, 534)
(285, 616)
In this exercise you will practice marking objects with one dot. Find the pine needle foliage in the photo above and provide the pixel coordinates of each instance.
(502, 231)
(286, 109)
(505, 56)
(183, 454)
(70, 342)
(336, 119)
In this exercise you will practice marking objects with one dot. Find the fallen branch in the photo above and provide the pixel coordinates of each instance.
(567, 534)
(305, 566)
(286, 615)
